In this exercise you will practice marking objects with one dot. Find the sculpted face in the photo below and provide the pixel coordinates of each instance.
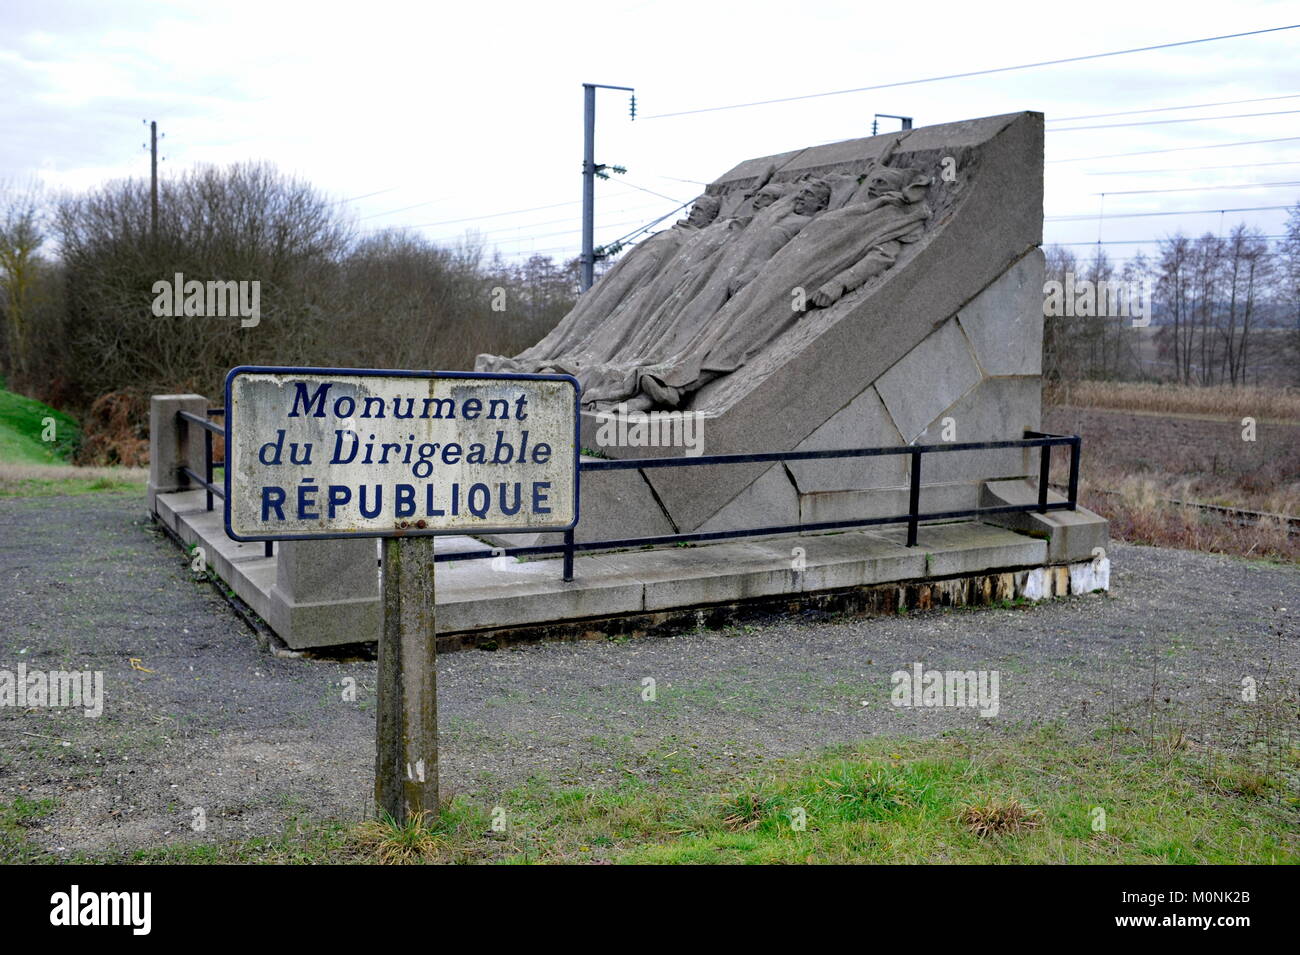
(766, 196)
(886, 180)
(812, 199)
(704, 211)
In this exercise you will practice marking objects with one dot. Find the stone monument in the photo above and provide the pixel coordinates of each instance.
(874, 292)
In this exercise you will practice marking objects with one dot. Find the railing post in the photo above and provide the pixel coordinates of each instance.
(170, 447)
(1075, 447)
(568, 555)
(207, 463)
(1044, 469)
(913, 498)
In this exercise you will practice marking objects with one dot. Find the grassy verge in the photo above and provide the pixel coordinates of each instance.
(24, 425)
(29, 480)
(1035, 797)
(31, 466)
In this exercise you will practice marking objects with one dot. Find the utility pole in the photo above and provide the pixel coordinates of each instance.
(589, 172)
(906, 120)
(153, 179)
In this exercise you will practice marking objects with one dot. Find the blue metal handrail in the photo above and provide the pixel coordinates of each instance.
(569, 548)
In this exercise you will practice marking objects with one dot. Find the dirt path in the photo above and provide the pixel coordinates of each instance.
(205, 718)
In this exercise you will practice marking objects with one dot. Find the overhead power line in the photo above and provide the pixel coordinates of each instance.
(492, 215)
(550, 235)
(389, 212)
(1167, 122)
(605, 226)
(1137, 241)
(1243, 185)
(617, 242)
(651, 191)
(958, 76)
(507, 229)
(1179, 149)
(1247, 165)
(366, 196)
(1092, 216)
(650, 225)
(1166, 109)
(528, 253)
(497, 215)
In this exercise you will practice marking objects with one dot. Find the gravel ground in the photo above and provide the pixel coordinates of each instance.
(205, 718)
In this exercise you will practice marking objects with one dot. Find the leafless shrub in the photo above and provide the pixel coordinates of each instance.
(83, 325)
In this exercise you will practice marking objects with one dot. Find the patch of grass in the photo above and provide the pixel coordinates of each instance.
(1241, 781)
(22, 429)
(16, 818)
(309, 843)
(393, 843)
(744, 812)
(44, 480)
(1030, 800)
(1025, 797)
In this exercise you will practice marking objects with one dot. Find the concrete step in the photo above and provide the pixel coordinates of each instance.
(499, 593)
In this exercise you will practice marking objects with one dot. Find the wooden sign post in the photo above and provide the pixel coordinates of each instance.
(406, 732)
(316, 453)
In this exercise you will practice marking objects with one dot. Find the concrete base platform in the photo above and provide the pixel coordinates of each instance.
(493, 600)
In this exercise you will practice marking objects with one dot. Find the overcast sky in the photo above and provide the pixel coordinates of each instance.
(439, 116)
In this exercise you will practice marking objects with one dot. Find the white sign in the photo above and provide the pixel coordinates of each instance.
(321, 452)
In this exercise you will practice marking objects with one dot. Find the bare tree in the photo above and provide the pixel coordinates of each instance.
(1249, 270)
(1287, 284)
(1092, 342)
(243, 223)
(22, 233)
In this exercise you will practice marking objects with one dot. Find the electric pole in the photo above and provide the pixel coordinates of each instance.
(906, 120)
(153, 179)
(589, 172)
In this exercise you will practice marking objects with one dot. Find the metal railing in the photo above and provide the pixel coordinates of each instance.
(209, 429)
(912, 518)
(569, 548)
